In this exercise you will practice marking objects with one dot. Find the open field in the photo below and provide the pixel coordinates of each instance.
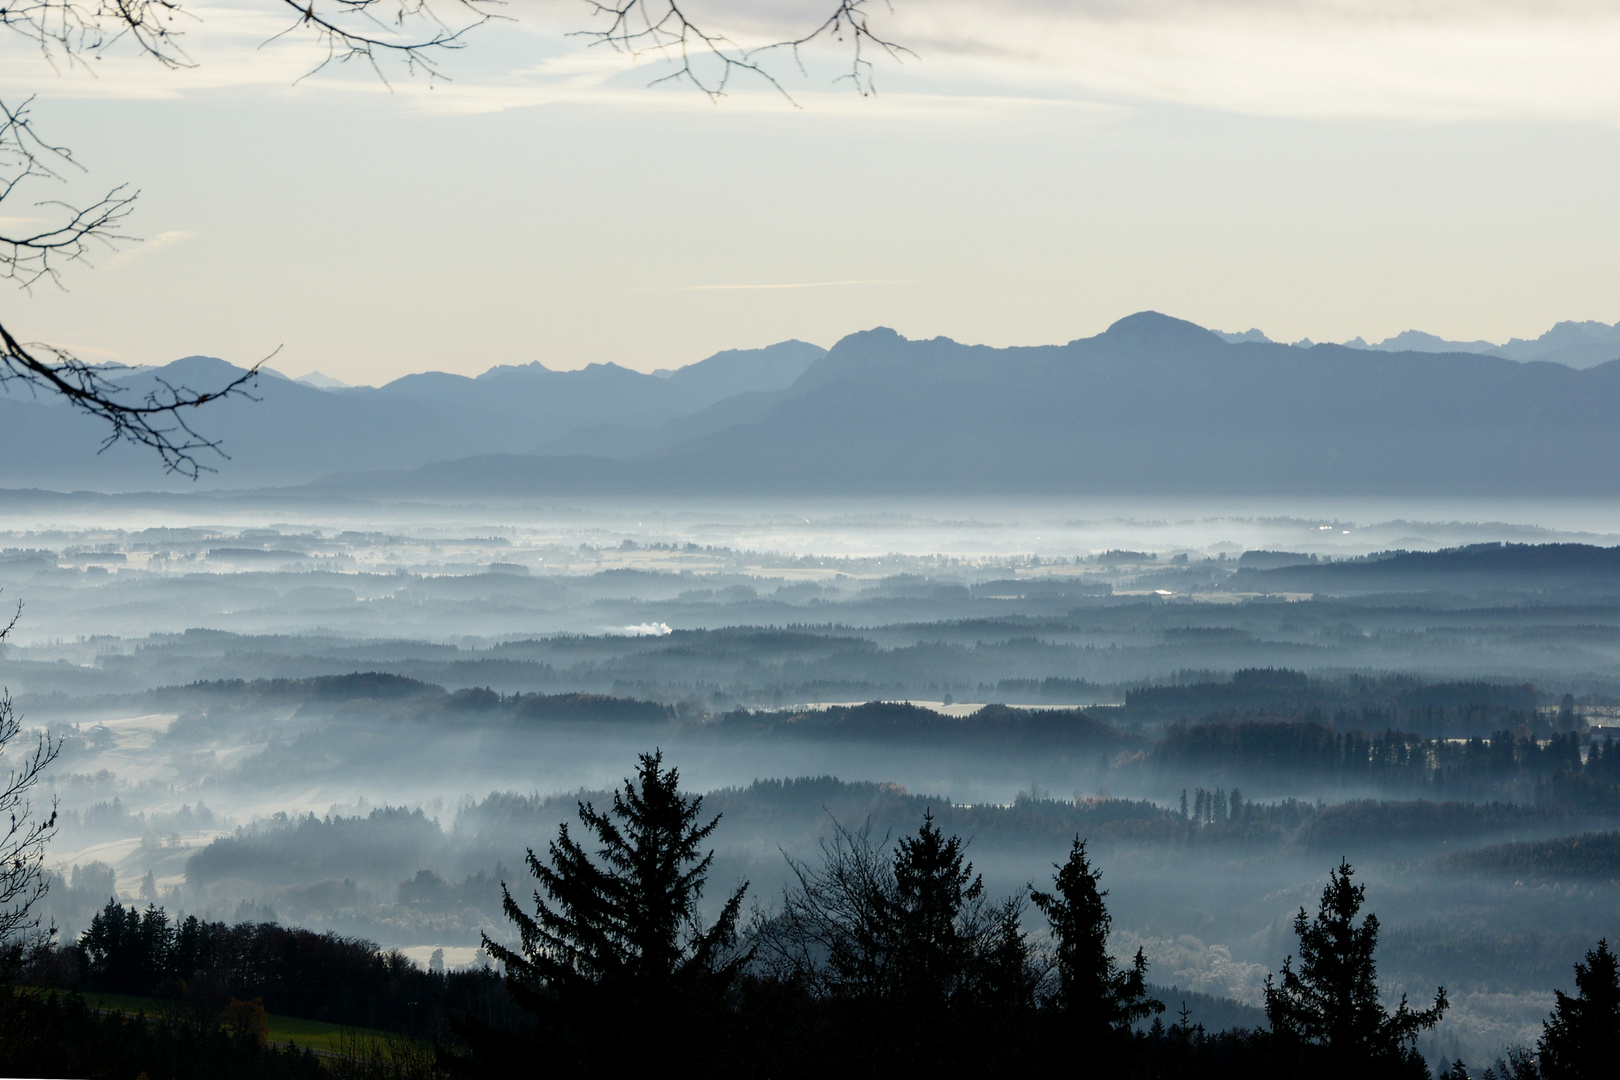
(284, 1030)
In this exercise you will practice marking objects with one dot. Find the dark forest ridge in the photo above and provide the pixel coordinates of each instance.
(1497, 567)
(1154, 405)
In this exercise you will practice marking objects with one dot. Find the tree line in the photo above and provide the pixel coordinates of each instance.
(1507, 764)
(1369, 703)
(882, 961)
(200, 966)
(879, 959)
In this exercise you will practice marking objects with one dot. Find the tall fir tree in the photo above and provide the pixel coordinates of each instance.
(935, 887)
(615, 963)
(1581, 1040)
(1328, 1010)
(1093, 995)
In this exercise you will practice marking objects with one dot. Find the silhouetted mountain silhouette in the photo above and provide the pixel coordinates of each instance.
(1154, 404)
(296, 433)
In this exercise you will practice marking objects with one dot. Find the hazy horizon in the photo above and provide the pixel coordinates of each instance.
(1170, 434)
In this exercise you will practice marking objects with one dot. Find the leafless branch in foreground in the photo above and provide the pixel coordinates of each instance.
(32, 247)
(156, 419)
(410, 31)
(360, 30)
(53, 235)
(640, 26)
(23, 835)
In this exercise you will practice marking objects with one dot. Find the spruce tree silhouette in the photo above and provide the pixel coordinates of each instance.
(615, 963)
(934, 887)
(902, 964)
(1581, 1040)
(1328, 1011)
(1094, 998)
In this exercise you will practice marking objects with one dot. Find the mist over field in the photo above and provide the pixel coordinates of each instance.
(358, 716)
(788, 541)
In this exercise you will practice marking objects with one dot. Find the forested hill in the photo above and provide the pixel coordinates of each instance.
(1515, 567)
(1153, 405)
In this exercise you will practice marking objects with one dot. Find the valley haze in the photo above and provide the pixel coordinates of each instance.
(1229, 609)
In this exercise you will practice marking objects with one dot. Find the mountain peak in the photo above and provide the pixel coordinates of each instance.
(878, 336)
(1151, 329)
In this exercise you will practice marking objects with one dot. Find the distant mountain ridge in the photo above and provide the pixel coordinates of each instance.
(1574, 344)
(297, 432)
(1153, 405)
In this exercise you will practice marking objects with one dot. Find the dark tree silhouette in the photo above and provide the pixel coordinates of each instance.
(832, 936)
(615, 958)
(934, 887)
(1581, 1040)
(1329, 1008)
(23, 832)
(1092, 995)
(913, 927)
(900, 958)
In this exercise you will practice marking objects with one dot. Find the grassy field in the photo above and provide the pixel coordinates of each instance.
(308, 1034)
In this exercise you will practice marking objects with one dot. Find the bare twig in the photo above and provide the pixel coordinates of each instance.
(29, 256)
(156, 420)
(640, 26)
(23, 835)
(410, 30)
(348, 30)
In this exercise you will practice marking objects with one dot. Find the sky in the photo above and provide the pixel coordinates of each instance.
(1033, 171)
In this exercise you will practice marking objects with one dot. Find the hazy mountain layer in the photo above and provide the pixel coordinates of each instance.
(1574, 344)
(290, 432)
(1152, 405)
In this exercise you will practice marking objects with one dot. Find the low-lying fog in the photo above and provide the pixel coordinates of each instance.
(190, 653)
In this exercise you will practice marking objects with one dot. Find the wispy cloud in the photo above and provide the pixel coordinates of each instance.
(161, 240)
(1439, 59)
(790, 285)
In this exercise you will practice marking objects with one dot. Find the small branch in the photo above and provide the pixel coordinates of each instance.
(28, 257)
(639, 26)
(156, 421)
(369, 42)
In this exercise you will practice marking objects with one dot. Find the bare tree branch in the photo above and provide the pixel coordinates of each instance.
(356, 30)
(640, 26)
(70, 31)
(23, 835)
(156, 419)
(410, 30)
(407, 31)
(28, 256)
(66, 234)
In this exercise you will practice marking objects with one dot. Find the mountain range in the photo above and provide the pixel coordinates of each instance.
(1152, 405)
(1575, 344)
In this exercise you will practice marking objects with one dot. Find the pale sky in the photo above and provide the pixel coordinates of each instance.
(1038, 170)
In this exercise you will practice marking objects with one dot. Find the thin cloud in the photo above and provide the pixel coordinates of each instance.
(161, 240)
(1437, 60)
(790, 285)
